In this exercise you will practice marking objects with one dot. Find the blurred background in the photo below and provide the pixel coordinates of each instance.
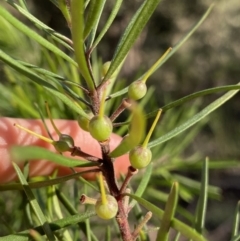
(210, 58)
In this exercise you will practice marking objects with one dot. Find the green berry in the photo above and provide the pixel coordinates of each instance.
(100, 128)
(108, 210)
(137, 90)
(105, 68)
(140, 157)
(65, 143)
(84, 121)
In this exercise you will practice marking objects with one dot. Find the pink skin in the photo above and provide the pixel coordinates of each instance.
(10, 135)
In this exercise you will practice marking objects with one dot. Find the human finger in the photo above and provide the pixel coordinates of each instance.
(11, 135)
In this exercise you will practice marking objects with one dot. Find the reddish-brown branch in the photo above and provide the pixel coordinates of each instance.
(95, 101)
(125, 104)
(77, 152)
(123, 222)
(108, 169)
(131, 171)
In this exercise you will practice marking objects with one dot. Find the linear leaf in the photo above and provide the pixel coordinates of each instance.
(136, 132)
(65, 9)
(143, 184)
(235, 230)
(68, 102)
(77, 11)
(112, 16)
(31, 153)
(131, 33)
(176, 224)
(94, 14)
(237, 238)
(56, 36)
(34, 204)
(55, 226)
(196, 118)
(37, 79)
(49, 182)
(42, 71)
(175, 48)
(193, 96)
(33, 35)
(202, 201)
(9, 94)
(22, 69)
(55, 2)
(169, 213)
(186, 37)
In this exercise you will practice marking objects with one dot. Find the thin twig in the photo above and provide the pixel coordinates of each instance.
(76, 151)
(125, 104)
(131, 171)
(140, 225)
(123, 222)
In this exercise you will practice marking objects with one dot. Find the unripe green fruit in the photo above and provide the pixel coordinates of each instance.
(100, 128)
(137, 90)
(108, 210)
(84, 122)
(140, 157)
(105, 68)
(65, 143)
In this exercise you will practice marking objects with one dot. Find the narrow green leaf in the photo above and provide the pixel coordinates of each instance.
(175, 48)
(195, 95)
(49, 182)
(186, 37)
(196, 118)
(185, 230)
(168, 213)
(131, 33)
(108, 234)
(143, 184)
(37, 79)
(77, 11)
(23, 4)
(94, 14)
(56, 36)
(214, 164)
(177, 236)
(183, 100)
(54, 204)
(42, 71)
(202, 201)
(68, 102)
(112, 16)
(34, 204)
(9, 94)
(237, 238)
(22, 69)
(33, 153)
(235, 231)
(136, 132)
(55, 226)
(92, 34)
(55, 2)
(88, 230)
(67, 204)
(195, 186)
(33, 35)
(65, 9)
(118, 93)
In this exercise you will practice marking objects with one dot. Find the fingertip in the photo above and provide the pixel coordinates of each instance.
(11, 135)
